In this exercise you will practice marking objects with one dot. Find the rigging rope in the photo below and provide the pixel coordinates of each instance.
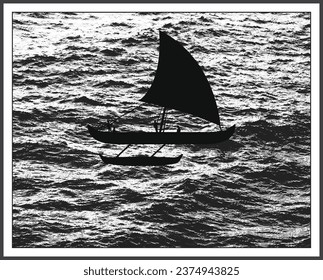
(119, 117)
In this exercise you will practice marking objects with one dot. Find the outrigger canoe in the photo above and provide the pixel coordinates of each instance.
(179, 84)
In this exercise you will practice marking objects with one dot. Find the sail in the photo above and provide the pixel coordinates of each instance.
(180, 83)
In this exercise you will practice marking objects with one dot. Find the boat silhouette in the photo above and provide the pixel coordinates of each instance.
(161, 138)
(179, 84)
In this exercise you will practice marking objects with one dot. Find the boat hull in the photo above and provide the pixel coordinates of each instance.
(161, 138)
(142, 161)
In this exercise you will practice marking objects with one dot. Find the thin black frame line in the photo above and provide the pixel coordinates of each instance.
(157, 258)
(129, 248)
(165, 2)
(220, 257)
(168, 12)
(1, 145)
(12, 89)
(311, 59)
(320, 145)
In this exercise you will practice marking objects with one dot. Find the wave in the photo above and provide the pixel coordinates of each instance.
(88, 101)
(211, 32)
(282, 173)
(70, 78)
(90, 49)
(269, 132)
(72, 57)
(113, 83)
(41, 15)
(260, 21)
(205, 19)
(37, 60)
(113, 52)
(130, 42)
(120, 24)
(128, 62)
(187, 23)
(127, 195)
(73, 37)
(34, 115)
(251, 42)
(285, 217)
(25, 237)
(82, 184)
(55, 205)
(16, 21)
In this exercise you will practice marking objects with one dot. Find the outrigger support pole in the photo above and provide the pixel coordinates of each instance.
(124, 150)
(158, 150)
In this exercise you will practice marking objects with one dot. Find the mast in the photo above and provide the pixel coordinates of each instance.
(162, 124)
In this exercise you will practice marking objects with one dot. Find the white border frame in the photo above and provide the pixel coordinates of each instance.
(163, 252)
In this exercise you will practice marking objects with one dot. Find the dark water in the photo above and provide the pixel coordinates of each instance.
(74, 69)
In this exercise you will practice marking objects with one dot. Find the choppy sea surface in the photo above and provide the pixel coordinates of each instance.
(74, 69)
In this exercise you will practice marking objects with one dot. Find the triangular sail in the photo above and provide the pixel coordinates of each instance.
(180, 83)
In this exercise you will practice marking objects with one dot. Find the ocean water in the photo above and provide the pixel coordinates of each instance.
(74, 69)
